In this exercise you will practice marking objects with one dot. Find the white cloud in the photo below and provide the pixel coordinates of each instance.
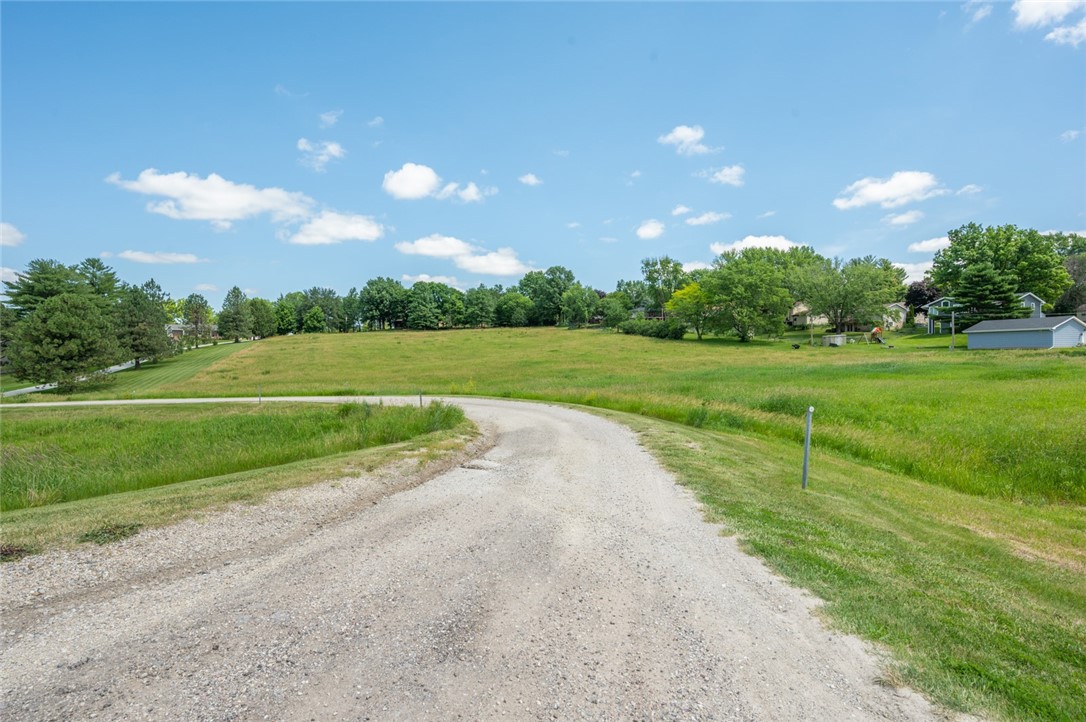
(636, 174)
(1069, 233)
(977, 9)
(650, 229)
(1069, 135)
(160, 257)
(573, 224)
(903, 219)
(767, 214)
(561, 153)
(1039, 13)
(318, 155)
(1043, 13)
(205, 287)
(8, 274)
(427, 278)
(503, 262)
(731, 175)
(779, 242)
(10, 235)
(376, 122)
(530, 179)
(706, 219)
(695, 266)
(215, 199)
(330, 118)
(330, 227)
(930, 246)
(969, 189)
(680, 210)
(1068, 34)
(608, 239)
(414, 181)
(281, 89)
(902, 187)
(686, 139)
(914, 271)
(436, 246)
(411, 182)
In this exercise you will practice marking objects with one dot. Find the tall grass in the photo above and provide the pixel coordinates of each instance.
(1004, 424)
(51, 456)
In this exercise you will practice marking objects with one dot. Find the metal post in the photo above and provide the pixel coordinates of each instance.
(420, 399)
(807, 446)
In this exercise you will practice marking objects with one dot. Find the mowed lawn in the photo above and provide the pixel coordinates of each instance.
(1004, 424)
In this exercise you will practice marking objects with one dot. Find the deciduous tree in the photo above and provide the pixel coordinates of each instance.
(692, 306)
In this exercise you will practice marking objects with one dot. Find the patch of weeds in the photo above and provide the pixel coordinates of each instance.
(110, 533)
(11, 553)
(697, 416)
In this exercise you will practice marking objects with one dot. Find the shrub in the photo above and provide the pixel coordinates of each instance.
(653, 329)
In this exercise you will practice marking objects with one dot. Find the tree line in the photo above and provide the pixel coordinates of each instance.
(61, 323)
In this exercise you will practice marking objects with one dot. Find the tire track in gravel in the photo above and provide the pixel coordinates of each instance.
(560, 574)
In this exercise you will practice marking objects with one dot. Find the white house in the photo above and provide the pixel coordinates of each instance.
(1049, 332)
(941, 320)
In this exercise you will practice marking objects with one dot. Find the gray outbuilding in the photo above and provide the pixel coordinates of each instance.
(1047, 332)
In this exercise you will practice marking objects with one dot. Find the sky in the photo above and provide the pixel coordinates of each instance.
(281, 146)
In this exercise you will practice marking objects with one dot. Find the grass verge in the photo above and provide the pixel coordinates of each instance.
(44, 528)
(982, 602)
(57, 455)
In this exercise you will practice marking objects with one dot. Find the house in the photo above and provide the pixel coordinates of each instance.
(941, 320)
(177, 330)
(800, 317)
(1043, 332)
(894, 317)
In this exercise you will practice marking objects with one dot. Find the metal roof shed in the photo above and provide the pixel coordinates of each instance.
(1047, 332)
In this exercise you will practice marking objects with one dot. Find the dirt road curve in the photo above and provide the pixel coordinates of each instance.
(561, 574)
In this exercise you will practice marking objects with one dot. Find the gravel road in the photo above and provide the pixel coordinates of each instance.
(556, 571)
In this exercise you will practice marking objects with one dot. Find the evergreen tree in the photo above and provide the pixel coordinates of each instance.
(42, 280)
(141, 322)
(197, 314)
(235, 319)
(985, 294)
(66, 338)
(263, 315)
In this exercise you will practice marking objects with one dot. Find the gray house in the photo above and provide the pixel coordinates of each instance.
(939, 317)
(1047, 332)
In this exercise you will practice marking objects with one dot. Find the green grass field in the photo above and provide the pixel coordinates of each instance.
(1006, 424)
(51, 456)
(945, 518)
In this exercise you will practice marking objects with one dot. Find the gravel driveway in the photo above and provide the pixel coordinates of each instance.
(556, 572)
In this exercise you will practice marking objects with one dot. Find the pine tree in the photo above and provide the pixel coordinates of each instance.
(235, 319)
(985, 294)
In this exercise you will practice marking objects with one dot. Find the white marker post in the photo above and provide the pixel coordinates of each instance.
(807, 446)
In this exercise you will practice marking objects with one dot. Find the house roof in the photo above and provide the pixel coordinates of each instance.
(1048, 323)
(1021, 297)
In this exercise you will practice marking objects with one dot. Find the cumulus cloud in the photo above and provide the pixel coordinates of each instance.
(411, 182)
(779, 242)
(930, 246)
(1044, 13)
(695, 266)
(10, 235)
(1069, 135)
(686, 139)
(969, 189)
(680, 210)
(211, 287)
(214, 199)
(731, 175)
(10, 275)
(650, 229)
(319, 154)
(414, 181)
(903, 187)
(468, 257)
(530, 179)
(427, 278)
(914, 271)
(330, 118)
(376, 122)
(708, 218)
(903, 219)
(162, 257)
(330, 227)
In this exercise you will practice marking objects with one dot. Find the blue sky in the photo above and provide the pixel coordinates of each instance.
(282, 146)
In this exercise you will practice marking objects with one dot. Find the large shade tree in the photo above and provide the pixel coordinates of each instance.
(851, 292)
